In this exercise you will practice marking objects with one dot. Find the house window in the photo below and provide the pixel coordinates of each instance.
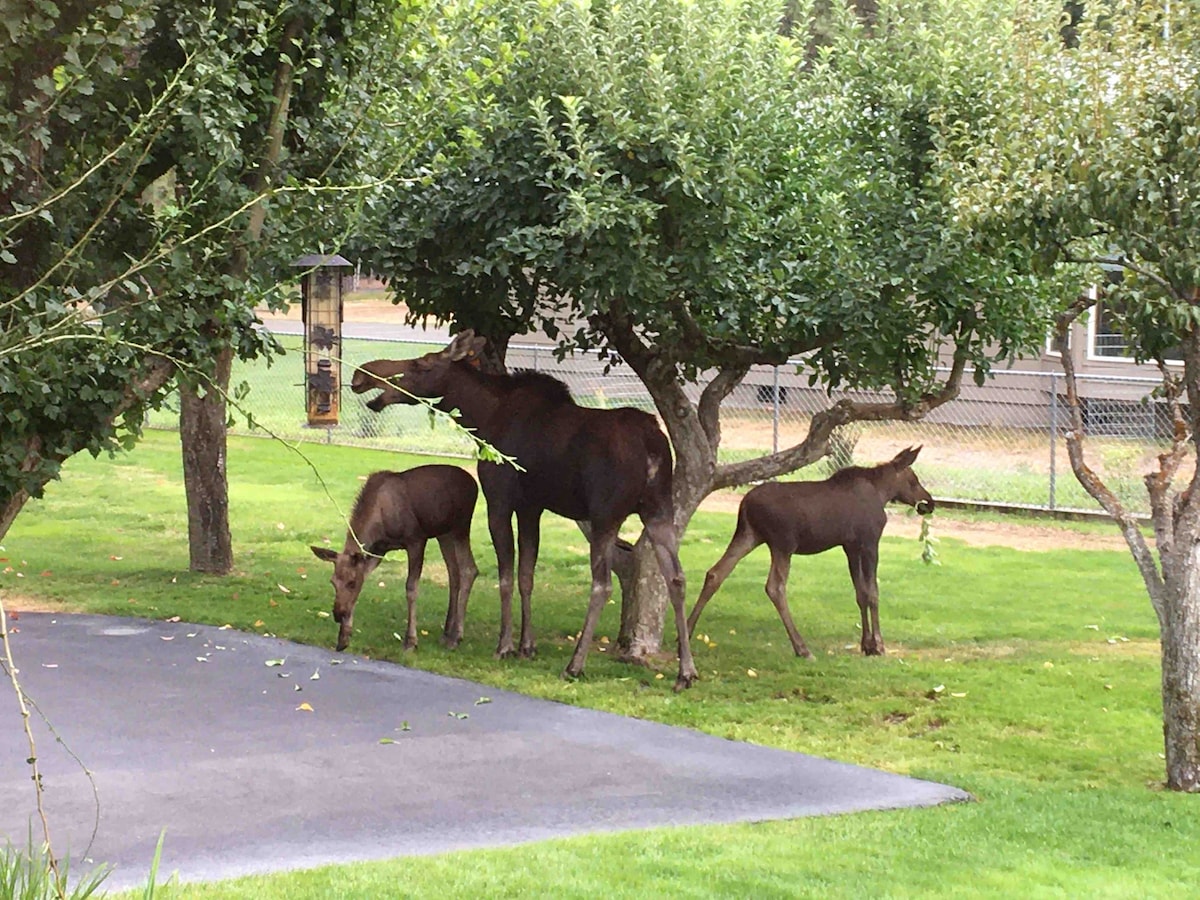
(766, 393)
(1106, 341)
(1051, 345)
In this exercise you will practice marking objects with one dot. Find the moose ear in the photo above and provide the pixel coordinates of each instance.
(465, 346)
(325, 553)
(906, 458)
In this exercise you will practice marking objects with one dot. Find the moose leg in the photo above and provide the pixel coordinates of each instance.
(464, 571)
(529, 533)
(416, 561)
(450, 555)
(781, 566)
(864, 563)
(500, 526)
(601, 555)
(666, 546)
(741, 544)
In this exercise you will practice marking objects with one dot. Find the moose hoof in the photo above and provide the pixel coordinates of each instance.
(529, 652)
(409, 646)
(683, 682)
(572, 674)
(450, 642)
(801, 650)
(504, 653)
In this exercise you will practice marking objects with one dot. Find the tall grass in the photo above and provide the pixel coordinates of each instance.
(33, 872)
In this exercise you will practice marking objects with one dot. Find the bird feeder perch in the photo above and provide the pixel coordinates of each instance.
(321, 312)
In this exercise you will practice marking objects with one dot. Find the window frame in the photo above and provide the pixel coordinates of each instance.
(1093, 333)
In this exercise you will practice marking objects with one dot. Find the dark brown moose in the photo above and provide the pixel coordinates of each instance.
(402, 511)
(597, 466)
(798, 518)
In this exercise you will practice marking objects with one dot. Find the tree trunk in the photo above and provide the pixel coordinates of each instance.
(202, 433)
(644, 604)
(202, 419)
(1179, 625)
(8, 512)
(1173, 583)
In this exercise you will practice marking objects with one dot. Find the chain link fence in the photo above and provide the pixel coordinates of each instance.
(1002, 443)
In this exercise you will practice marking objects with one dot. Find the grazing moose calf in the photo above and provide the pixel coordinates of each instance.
(402, 511)
(798, 518)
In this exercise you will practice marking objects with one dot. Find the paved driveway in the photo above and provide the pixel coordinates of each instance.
(187, 728)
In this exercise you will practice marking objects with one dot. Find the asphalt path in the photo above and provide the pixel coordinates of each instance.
(255, 754)
(379, 331)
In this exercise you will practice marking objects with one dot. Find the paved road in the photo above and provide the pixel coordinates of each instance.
(188, 728)
(380, 331)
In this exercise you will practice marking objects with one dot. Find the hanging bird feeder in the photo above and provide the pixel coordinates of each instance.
(321, 313)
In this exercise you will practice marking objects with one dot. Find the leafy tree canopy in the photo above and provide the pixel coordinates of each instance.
(1098, 167)
(142, 145)
(678, 184)
(678, 172)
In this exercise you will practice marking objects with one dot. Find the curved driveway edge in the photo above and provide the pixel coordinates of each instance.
(187, 728)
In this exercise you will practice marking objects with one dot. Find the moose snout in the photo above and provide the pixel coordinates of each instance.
(362, 381)
(925, 507)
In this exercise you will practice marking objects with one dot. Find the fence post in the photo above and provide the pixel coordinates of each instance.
(1053, 431)
(775, 410)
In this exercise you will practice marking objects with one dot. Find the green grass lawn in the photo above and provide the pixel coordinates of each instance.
(1029, 679)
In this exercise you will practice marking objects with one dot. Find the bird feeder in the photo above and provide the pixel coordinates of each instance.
(321, 313)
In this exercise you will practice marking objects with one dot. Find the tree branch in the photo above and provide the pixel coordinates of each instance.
(1125, 263)
(8, 664)
(816, 443)
(1188, 429)
(276, 130)
(709, 407)
(658, 374)
(730, 352)
(1091, 482)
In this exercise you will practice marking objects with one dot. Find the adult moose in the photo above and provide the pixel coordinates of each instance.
(804, 517)
(592, 465)
(402, 511)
